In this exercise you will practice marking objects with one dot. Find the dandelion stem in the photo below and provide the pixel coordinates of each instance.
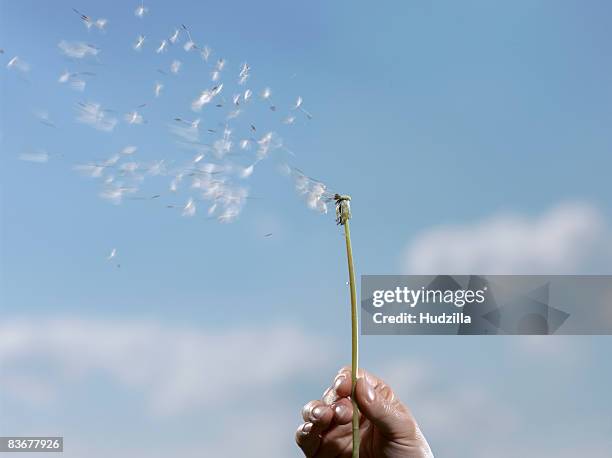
(354, 339)
(343, 214)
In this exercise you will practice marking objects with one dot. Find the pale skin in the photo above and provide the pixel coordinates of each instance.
(388, 429)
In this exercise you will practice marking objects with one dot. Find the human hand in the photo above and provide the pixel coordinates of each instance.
(388, 429)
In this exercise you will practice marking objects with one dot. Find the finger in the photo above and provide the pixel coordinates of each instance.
(378, 403)
(319, 417)
(345, 388)
(331, 394)
(318, 413)
(343, 411)
(308, 442)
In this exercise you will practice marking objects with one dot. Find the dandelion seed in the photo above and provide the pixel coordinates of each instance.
(190, 208)
(234, 114)
(17, 64)
(247, 171)
(175, 182)
(93, 115)
(129, 167)
(206, 97)
(247, 95)
(245, 144)
(74, 79)
(212, 209)
(266, 93)
(100, 24)
(189, 45)
(43, 118)
(162, 47)
(189, 131)
(40, 157)
(205, 53)
(298, 106)
(236, 99)
(314, 191)
(77, 50)
(175, 66)
(244, 73)
(112, 254)
(155, 169)
(289, 120)
(129, 150)
(116, 193)
(139, 43)
(266, 144)
(175, 36)
(141, 10)
(134, 118)
(158, 89)
(91, 170)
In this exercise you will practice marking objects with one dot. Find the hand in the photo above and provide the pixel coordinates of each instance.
(387, 427)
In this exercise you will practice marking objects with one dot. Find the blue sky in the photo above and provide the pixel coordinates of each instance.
(430, 114)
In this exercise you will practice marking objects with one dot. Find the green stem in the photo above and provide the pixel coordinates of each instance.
(354, 339)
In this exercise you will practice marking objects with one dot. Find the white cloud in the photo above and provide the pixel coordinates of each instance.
(177, 369)
(565, 239)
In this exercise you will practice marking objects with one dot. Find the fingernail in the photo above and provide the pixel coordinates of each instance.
(317, 413)
(306, 428)
(339, 380)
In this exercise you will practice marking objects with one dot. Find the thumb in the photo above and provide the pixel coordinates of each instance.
(378, 404)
